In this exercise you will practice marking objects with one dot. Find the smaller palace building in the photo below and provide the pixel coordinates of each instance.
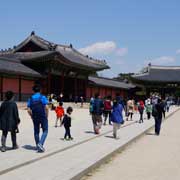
(57, 68)
(162, 79)
(106, 87)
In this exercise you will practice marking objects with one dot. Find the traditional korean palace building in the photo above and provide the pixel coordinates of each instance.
(57, 68)
(161, 79)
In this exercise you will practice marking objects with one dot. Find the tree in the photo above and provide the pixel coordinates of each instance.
(124, 77)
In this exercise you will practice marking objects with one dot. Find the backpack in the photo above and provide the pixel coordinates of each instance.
(107, 105)
(97, 107)
(154, 111)
(37, 108)
(91, 106)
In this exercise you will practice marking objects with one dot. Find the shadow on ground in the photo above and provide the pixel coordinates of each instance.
(29, 147)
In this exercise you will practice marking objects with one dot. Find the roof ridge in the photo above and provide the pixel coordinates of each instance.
(163, 67)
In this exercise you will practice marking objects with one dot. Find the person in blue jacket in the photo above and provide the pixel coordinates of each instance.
(38, 110)
(116, 117)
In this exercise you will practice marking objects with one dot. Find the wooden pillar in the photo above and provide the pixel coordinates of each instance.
(105, 91)
(91, 92)
(20, 88)
(1, 88)
(62, 82)
(85, 86)
(75, 86)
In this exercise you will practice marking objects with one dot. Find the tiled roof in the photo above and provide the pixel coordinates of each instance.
(12, 66)
(159, 74)
(70, 54)
(110, 83)
(76, 57)
(27, 55)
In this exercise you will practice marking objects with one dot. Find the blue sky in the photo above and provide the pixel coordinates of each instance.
(127, 33)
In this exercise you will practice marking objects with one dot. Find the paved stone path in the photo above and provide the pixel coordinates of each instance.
(151, 157)
(62, 159)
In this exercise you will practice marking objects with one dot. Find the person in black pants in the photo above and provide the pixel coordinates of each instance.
(159, 114)
(67, 123)
(9, 120)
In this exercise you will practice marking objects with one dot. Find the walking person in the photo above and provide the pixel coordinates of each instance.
(116, 117)
(59, 113)
(82, 101)
(9, 120)
(38, 110)
(130, 109)
(141, 111)
(60, 98)
(107, 109)
(158, 111)
(67, 124)
(168, 104)
(148, 109)
(97, 113)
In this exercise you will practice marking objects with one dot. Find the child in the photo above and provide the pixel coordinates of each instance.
(67, 123)
(9, 120)
(59, 113)
(116, 117)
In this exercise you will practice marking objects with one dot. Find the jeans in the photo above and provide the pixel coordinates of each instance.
(67, 132)
(44, 125)
(158, 125)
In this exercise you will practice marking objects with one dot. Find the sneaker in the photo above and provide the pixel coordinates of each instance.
(40, 148)
(15, 147)
(3, 149)
(71, 138)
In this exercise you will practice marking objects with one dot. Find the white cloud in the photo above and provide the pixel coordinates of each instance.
(178, 51)
(163, 60)
(122, 51)
(99, 48)
(104, 48)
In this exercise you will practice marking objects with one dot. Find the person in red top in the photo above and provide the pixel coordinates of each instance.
(141, 111)
(59, 113)
(107, 109)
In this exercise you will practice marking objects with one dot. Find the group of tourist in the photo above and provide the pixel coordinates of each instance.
(109, 109)
(38, 110)
(55, 99)
(113, 109)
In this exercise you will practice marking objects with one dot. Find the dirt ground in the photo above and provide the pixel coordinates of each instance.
(149, 158)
